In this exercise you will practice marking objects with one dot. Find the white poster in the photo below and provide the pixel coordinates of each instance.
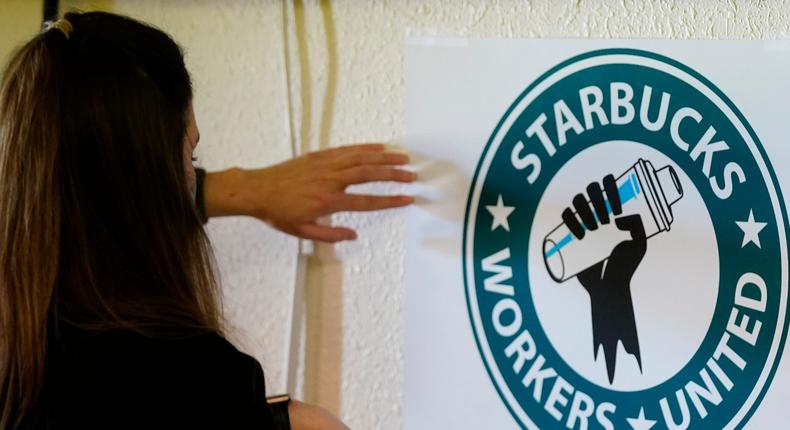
(600, 239)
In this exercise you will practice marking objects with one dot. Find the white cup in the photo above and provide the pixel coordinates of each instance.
(643, 190)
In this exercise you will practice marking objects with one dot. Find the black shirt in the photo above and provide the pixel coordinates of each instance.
(125, 380)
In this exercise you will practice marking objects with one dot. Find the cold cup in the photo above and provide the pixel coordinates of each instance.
(643, 190)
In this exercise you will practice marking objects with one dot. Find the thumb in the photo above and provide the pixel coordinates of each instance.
(324, 233)
(632, 224)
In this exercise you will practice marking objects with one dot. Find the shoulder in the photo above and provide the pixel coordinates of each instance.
(138, 348)
(185, 379)
(147, 356)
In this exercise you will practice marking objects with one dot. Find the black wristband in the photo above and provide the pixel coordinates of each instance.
(279, 407)
(200, 202)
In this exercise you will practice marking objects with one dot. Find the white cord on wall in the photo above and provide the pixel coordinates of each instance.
(305, 247)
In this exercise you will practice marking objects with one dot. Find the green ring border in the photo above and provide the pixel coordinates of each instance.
(738, 114)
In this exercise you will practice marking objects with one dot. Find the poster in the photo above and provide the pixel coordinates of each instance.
(600, 238)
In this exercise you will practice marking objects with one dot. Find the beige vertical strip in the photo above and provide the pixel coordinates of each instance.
(328, 112)
(316, 309)
(324, 285)
(86, 5)
(294, 338)
(300, 30)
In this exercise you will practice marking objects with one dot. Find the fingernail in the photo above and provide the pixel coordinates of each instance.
(395, 148)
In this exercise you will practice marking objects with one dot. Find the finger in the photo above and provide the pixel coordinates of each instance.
(629, 253)
(584, 211)
(325, 233)
(363, 202)
(355, 159)
(599, 202)
(363, 174)
(572, 223)
(360, 147)
(612, 194)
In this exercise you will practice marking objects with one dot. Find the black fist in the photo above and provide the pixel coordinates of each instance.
(609, 282)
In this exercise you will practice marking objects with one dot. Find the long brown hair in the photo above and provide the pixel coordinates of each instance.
(97, 226)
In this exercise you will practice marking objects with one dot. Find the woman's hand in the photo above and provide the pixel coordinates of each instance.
(293, 195)
(304, 416)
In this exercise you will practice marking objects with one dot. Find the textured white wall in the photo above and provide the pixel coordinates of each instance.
(351, 54)
(368, 105)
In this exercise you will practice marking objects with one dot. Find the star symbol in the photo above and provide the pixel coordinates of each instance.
(751, 230)
(640, 422)
(500, 212)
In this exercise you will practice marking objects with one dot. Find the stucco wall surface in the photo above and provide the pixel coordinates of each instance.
(340, 64)
(368, 106)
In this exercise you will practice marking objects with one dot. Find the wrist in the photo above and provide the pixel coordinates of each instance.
(225, 193)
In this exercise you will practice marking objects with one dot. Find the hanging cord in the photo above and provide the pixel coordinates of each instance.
(294, 25)
(305, 247)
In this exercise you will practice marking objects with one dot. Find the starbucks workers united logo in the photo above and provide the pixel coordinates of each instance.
(625, 251)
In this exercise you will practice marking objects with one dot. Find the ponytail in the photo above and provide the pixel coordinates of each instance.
(98, 230)
(30, 120)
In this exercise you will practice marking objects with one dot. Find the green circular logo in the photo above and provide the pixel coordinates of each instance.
(625, 251)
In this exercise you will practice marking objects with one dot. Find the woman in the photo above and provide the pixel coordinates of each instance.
(109, 313)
